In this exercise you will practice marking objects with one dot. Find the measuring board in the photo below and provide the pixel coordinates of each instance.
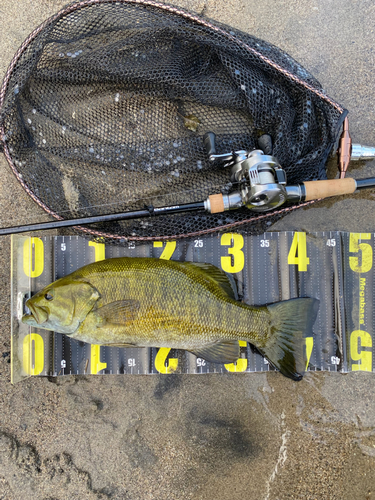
(335, 267)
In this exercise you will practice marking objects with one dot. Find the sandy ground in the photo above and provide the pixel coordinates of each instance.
(253, 436)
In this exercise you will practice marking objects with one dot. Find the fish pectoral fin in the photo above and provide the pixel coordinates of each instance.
(120, 312)
(224, 352)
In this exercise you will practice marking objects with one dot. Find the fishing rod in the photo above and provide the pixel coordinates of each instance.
(262, 185)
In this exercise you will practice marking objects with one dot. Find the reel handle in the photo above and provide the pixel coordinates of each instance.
(209, 143)
(265, 144)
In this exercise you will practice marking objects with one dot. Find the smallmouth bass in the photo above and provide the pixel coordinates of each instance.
(146, 302)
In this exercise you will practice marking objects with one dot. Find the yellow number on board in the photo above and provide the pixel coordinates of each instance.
(169, 248)
(363, 264)
(33, 257)
(298, 252)
(364, 357)
(235, 243)
(99, 249)
(161, 358)
(96, 364)
(241, 364)
(309, 347)
(33, 354)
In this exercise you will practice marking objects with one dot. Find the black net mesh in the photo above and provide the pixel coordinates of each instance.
(105, 108)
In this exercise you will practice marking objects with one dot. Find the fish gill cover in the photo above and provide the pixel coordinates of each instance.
(104, 108)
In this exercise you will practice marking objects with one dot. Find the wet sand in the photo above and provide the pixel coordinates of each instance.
(254, 436)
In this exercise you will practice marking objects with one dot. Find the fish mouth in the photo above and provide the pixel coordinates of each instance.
(38, 313)
(28, 319)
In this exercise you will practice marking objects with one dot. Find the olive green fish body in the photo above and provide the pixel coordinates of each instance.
(180, 306)
(148, 302)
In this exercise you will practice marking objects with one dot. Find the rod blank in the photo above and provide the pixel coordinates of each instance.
(147, 212)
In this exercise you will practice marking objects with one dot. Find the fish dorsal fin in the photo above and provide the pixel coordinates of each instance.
(224, 352)
(120, 312)
(223, 279)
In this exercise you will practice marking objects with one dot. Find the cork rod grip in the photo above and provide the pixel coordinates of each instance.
(325, 189)
(216, 203)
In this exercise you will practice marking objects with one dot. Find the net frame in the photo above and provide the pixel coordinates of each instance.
(215, 27)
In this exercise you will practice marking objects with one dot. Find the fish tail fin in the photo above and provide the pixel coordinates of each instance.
(291, 321)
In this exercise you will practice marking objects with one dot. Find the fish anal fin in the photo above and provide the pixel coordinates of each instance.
(120, 312)
(223, 352)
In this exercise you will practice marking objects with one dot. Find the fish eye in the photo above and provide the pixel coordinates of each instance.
(47, 296)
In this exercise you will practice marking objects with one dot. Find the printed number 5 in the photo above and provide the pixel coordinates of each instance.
(359, 339)
(235, 241)
(366, 252)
